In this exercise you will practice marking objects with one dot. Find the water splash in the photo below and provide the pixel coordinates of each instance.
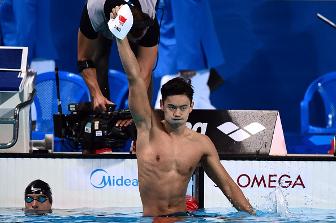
(281, 205)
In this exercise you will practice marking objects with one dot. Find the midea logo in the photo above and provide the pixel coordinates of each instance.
(238, 134)
(99, 178)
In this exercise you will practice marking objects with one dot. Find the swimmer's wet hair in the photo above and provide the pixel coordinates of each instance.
(39, 187)
(177, 86)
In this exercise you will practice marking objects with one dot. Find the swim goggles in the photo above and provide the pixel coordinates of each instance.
(40, 198)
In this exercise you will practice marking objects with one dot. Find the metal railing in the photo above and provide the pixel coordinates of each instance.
(15, 121)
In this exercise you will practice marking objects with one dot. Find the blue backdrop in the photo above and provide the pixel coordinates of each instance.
(273, 49)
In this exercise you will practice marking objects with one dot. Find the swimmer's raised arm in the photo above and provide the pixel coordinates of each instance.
(138, 98)
(217, 173)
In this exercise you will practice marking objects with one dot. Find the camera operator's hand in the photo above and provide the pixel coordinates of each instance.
(99, 103)
(124, 122)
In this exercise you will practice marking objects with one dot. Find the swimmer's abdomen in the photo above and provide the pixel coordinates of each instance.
(163, 181)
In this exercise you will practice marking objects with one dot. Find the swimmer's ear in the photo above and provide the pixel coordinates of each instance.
(191, 106)
(161, 104)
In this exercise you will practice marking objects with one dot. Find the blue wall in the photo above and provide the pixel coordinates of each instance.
(273, 50)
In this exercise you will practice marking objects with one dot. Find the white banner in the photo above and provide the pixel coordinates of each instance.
(298, 184)
(75, 183)
(99, 183)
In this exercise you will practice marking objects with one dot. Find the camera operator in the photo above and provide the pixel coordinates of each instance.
(95, 40)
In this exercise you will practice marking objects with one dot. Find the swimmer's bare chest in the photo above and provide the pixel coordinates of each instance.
(180, 156)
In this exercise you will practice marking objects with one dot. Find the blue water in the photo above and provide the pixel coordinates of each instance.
(135, 215)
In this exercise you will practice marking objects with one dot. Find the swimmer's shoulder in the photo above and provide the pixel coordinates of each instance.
(200, 138)
(204, 143)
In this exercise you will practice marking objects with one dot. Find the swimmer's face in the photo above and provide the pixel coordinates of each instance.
(37, 202)
(176, 109)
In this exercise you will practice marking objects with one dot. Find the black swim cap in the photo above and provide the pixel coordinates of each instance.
(39, 187)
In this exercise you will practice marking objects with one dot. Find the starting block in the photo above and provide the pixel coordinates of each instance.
(16, 95)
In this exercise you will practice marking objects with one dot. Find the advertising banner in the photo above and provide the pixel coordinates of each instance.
(274, 184)
(241, 131)
(102, 183)
(75, 183)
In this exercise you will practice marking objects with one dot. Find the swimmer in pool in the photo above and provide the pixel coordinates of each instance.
(167, 151)
(38, 197)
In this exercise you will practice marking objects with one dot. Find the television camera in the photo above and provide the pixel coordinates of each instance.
(90, 131)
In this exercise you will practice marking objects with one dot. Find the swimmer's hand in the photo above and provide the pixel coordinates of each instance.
(114, 12)
(249, 210)
(253, 212)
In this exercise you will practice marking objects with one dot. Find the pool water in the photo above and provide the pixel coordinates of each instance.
(135, 215)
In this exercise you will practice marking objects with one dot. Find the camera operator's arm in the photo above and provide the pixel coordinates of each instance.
(146, 57)
(86, 58)
(146, 54)
(138, 99)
